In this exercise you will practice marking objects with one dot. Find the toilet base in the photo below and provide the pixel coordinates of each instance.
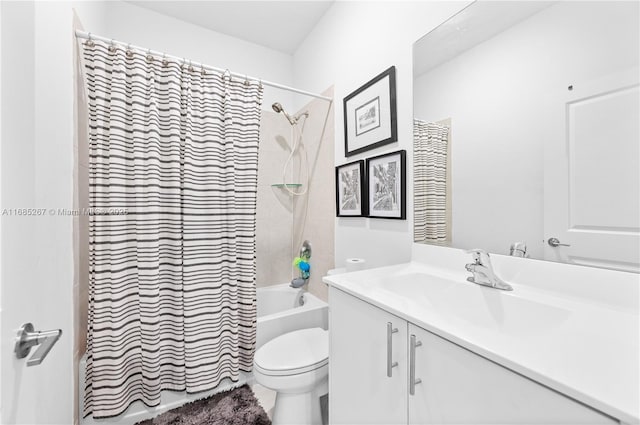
(300, 408)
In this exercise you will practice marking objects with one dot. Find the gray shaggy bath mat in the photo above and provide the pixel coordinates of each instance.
(235, 407)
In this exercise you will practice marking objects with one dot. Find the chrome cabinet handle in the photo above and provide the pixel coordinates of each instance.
(28, 338)
(412, 365)
(554, 242)
(390, 363)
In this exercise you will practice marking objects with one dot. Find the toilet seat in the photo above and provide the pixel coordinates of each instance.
(294, 353)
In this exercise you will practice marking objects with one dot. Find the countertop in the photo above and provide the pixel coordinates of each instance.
(580, 347)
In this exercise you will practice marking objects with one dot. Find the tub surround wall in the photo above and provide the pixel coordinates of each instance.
(281, 222)
(319, 202)
(274, 206)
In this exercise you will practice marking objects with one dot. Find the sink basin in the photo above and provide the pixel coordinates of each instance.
(415, 284)
(492, 308)
(475, 305)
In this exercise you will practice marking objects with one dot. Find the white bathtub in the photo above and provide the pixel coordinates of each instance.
(279, 312)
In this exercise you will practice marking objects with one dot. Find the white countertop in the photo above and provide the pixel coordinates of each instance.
(582, 347)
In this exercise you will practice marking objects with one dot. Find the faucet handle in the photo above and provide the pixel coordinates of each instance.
(479, 255)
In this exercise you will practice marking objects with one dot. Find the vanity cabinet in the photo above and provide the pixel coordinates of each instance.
(451, 385)
(363, 351)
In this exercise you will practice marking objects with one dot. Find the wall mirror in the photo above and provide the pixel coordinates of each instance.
(526, 132)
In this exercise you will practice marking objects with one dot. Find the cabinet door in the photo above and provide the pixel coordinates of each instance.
(461, 387)
(360, 390)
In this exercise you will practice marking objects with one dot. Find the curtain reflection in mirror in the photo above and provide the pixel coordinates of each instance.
(432, 205)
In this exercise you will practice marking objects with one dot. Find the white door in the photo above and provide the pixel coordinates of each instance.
(367, 383)
(592, 174)
(36, 163)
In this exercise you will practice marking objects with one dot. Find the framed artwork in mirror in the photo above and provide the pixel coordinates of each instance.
(387, 185)
(370, 114)
(350, 190)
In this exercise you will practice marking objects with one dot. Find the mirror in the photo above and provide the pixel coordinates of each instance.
(527, 134)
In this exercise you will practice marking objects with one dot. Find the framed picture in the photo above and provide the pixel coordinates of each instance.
(387, 185)
(350, 190)
(370, 114)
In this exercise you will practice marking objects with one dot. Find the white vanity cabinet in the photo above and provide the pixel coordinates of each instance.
(361, 350)
(460, 387)
(454, 385)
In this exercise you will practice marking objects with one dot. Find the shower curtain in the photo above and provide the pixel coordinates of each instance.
(173, 179)
(430, 182)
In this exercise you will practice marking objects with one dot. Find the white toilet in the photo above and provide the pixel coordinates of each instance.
(296, 365)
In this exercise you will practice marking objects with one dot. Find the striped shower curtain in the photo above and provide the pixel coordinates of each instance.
(173, 177)
(431, 218)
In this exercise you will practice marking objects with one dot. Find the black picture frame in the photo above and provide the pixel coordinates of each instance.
(351, 199)
(387, 185)
(370, 114)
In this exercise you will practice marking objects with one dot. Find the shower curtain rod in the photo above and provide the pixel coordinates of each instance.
(88, 35)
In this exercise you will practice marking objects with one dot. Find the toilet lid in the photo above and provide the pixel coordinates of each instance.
(294, 352)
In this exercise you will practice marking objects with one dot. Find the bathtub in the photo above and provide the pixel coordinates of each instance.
(281, 309)
(279, 312)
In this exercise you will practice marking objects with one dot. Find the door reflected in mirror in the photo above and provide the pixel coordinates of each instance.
(527, 133)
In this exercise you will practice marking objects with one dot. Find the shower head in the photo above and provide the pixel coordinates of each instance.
(277, 107)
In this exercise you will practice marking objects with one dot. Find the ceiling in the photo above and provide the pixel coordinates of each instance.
(279, 25)
(476, 23)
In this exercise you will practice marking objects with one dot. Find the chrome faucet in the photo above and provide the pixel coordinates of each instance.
(482, 270)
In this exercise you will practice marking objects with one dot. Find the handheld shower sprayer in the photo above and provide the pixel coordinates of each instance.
(277, 107)
(297, 142)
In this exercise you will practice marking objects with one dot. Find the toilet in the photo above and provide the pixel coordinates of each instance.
(296, 366)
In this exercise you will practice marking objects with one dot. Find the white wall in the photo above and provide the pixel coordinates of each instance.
(352, 43)
(146, 28)
(495, 95)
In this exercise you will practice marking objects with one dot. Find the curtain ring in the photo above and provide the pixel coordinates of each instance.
(165, 62)
(202, 70)
(190, 67)
(226, 75)
(112, 46)
(89, 42)
(149, 55)
(246, 80)
(129, 52)
(260, 85)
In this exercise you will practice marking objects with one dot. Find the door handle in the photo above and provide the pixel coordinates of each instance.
(390, 363)
(555, 242)
(412, 365)
(28, 338)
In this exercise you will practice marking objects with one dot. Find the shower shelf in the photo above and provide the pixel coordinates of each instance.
(287, 185)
